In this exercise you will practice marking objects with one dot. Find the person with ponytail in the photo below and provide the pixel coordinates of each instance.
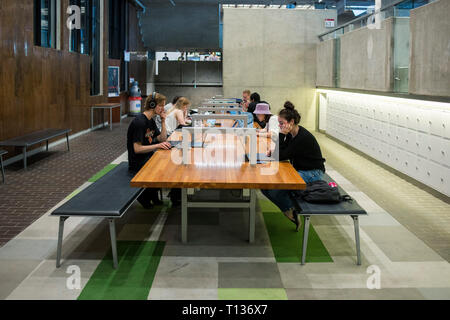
(144, 138)
(300, 147)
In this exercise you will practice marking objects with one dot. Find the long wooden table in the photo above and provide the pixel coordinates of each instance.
(161, 171)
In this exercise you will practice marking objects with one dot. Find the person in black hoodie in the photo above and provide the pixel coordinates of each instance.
(300, 147)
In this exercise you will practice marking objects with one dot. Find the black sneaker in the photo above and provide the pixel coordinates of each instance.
(298, 221)
(146, 205)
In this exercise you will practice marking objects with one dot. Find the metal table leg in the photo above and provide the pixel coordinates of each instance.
(67, 138)
(112, 231)
(120, 115)
(60, 240)
(305, 239)
(252, 219)
(92, 118)
(110, 119)
(3, 169)
(357, 240)
(184, 215)
(25, 157)
(46, 144)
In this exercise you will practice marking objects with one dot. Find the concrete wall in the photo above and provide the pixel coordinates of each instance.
(196, 95)
(430, 49)
(325, 63)
(273, 52)
(367, 58)
(185, 26)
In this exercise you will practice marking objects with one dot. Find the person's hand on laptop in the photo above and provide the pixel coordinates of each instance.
(164, 146)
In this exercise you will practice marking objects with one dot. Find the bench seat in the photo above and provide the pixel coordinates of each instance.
(34, 138)
(345, 208)
(109, 198)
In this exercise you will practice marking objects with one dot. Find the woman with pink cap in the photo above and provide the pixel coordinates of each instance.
(272, 129)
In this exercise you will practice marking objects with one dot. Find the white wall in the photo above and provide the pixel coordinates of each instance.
(411, 136)
(273, 52)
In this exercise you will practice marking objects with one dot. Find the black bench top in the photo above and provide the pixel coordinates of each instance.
(343, 208)
(2, 152)
(108, 197)
(34, 137)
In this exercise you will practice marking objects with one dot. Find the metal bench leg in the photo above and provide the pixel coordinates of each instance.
(3, 169)
(46, 144)
(252, 220)
(112, 231)
(305, 239)
(357, 240)
(184, 215)
(25, 157)
(60, 241)
(92, 118)
(110, 119)
(67, 138)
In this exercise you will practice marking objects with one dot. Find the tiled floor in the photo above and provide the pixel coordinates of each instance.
(402, 240)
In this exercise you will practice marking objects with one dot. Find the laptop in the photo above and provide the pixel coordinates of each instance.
(260, 158)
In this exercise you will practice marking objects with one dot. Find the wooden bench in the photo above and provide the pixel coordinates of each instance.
(108, 198)
(346, 208)
(34, 138)
(2, 152)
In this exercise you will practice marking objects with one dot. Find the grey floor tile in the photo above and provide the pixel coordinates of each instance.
(200, 275)
(28, 249)
(249, 275)
(400, 245)
(13, 272)
(353, 294)
(435, 293)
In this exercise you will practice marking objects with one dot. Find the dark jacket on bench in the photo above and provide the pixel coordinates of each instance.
(303, 151)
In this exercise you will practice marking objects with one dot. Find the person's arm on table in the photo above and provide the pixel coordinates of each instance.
(163, 136)
(140, 149)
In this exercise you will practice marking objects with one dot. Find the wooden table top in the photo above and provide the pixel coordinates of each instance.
(219, 165)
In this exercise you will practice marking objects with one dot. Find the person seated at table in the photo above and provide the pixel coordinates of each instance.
(300, 147)
(271, 128)
(143, 139)
(245, 100)
(178, 115)
(167, 107)
(255, 98)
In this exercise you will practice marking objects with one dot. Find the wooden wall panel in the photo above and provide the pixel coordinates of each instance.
(41, 87)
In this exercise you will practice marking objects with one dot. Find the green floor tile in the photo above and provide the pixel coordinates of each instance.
(101, 173)
(138, 262)
(252, 294)
(287, 244)
(268, 206)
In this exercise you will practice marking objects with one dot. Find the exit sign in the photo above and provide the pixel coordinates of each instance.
(330, 23)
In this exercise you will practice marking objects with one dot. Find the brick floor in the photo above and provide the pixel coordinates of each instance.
(52, 176)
